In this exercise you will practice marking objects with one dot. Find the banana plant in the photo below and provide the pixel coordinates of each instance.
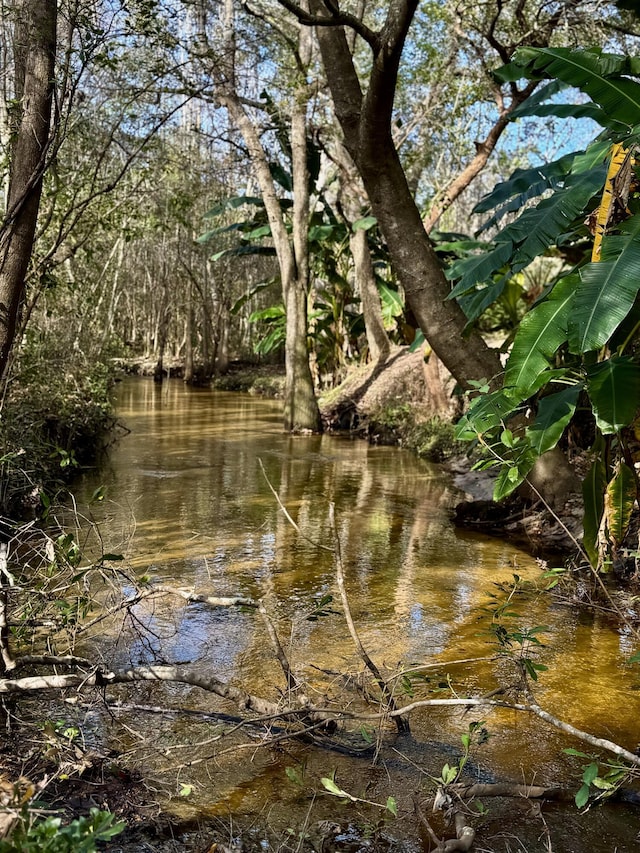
(578, 346)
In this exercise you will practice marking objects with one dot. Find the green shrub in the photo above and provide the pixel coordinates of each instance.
(55, 416)
(49, 835)
(401, 423)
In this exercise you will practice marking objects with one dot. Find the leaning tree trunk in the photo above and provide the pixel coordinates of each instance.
(353, 199)
(365, 119)
(28, 157)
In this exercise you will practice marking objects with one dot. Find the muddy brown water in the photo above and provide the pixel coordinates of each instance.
(189, 503)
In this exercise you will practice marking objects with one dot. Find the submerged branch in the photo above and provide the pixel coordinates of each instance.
(308, 713)
(214, 601)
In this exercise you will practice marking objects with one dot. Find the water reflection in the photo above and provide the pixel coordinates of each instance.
(188, 501)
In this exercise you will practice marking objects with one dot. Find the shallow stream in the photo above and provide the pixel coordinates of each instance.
(189, 502)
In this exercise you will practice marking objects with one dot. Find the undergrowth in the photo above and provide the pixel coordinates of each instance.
(54, 419)
(401, 423)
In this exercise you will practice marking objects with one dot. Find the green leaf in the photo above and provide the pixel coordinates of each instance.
(232, 204)
(246, 297)
(486, 412)
(537, 228)
(98, 495)
(258, 233)
(540, 227)
(619, 503)
(476, 303)
(603, 784)
(593, 487)
(366, 734)
(590, 773)
(281, 176)
(554, 413)
(392, 304)
(521, 186)
(392, 806)
(478, 269)
(332, 788)
(575, 111)
(541, 332)
(599, 75)
(273, 312)
(364, 224)
(607, 290)
(449, 774)
(614, 389)
(185, 790)
(513, 474)
(582, 797)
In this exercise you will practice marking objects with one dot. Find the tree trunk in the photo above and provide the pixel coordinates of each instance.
(28, 149)
(366, 124)
(353, 199)
(377, 339)
(188, 337)
(301, 409)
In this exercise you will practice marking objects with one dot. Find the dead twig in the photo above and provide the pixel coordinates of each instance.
(402, 722)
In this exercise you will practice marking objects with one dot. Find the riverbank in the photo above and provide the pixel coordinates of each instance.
(57, 419)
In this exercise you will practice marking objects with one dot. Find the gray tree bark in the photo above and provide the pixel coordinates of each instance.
(301, 412)
(34, 54)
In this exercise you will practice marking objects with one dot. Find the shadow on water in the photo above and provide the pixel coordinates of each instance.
(188, 504)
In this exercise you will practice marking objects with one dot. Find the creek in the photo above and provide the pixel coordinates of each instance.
(189, 503)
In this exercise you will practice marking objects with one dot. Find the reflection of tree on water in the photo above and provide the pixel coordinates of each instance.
(208, 522)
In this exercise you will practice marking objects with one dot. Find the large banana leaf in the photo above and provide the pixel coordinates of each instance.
(233, 203)
(487, 412)
(521, 180)
(614, 389)
(541, 332)
(540, 96)
(599, 75)
(538, 104)
(576, 111)
(619, 502)
(607, 291)
(554, 413)
(593, 487)
(523, 185)
(479, 269)
(476, 303)
(538, 228)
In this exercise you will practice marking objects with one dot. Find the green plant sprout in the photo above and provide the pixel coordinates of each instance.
(600, 777)
(476, 735)
(332, 788)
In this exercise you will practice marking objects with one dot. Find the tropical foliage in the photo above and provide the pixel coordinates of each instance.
(576, 351)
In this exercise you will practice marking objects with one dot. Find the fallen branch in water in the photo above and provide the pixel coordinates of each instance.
(213, 600)
(250, 702)
(510, 789)
(465, 834)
